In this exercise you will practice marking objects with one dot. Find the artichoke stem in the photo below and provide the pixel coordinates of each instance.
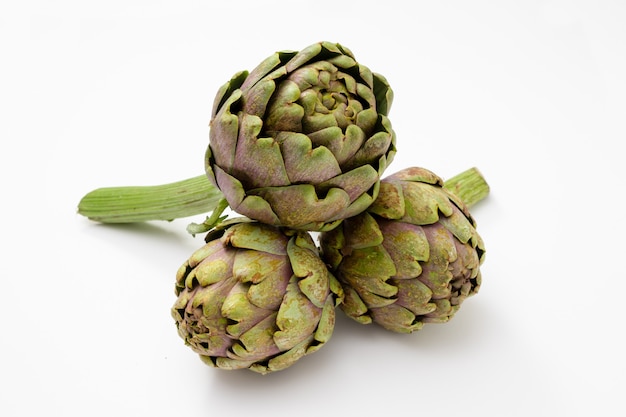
(193, 196)
(132, 204)
(470, 186)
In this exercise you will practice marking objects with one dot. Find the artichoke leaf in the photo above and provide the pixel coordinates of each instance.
(297, 318)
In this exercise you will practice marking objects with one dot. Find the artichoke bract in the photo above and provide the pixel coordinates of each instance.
(412, 258)
(256, 297)
(302, 140)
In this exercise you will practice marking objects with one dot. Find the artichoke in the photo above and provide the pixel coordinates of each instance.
(412, 258)
(302, 140)
(256, 297)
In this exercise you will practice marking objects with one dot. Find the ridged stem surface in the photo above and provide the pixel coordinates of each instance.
(470, 186)
(131, 204)
(193, 196)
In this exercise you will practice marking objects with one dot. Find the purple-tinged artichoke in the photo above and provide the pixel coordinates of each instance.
(412, 258)
(256, 297)
(303, 139)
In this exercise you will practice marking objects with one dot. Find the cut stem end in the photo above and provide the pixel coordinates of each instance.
(470, 186)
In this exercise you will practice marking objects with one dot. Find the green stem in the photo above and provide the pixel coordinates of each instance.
(197, 195)
(158, 202)
(470, 186)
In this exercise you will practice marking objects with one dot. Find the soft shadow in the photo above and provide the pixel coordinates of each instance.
(257, 387)
(331, 361)
(146, 229)
(148, 241)
(472, 325)
(356, 349)
(159, 231)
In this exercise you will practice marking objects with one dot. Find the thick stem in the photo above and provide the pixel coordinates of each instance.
(197, 196)
(470, 186)
(158, 202)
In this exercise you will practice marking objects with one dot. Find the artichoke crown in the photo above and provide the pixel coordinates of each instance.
(255, 297)
(411, 258)
(302, 140)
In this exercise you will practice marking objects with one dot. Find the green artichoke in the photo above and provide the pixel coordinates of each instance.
(302, 140)
(255, 296)
(412, 258)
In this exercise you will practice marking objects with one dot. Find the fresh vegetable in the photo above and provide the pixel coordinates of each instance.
(256, 297)
(302, 140)
(412, 258)
(299, 145)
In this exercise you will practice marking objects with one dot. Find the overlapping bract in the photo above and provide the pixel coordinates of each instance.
(303, 139)
(412, 258)
(255, 297)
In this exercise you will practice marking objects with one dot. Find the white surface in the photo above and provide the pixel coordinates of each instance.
(119, 93)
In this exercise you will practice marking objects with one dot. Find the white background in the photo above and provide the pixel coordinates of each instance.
(98, 94)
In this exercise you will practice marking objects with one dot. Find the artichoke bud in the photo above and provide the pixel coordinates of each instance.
(411, 258)
(302, 140)
(255, 297)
